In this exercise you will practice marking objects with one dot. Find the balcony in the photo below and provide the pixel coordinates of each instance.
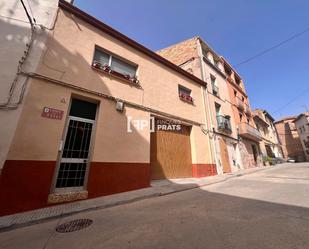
(248, 131)
(224, 124)
(248, 110)
(240, 104)
(307, 144)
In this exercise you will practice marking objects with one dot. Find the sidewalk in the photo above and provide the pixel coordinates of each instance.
(158, 188)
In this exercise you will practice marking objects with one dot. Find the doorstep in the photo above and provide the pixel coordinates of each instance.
(158, 188)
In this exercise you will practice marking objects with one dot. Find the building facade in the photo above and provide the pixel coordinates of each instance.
(289, 139)
(103, 115)
(249, 136)
(270, 145)
(302, 126)
(22, 39)
(235, 145)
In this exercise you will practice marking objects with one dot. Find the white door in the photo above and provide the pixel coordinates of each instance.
(73, 163)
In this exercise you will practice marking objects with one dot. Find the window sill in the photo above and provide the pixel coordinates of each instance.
(186, 100)
(117, 76)
(67, 197)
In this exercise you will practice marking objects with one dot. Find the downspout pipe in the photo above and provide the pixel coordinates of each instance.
(210, 126)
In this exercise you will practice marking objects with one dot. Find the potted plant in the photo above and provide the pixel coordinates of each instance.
(106, 68)
(96, 64)
(134, 79)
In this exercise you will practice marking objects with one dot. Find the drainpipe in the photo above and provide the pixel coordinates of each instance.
(206, 99)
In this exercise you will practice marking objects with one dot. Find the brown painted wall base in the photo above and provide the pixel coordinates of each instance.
(202, 170)
(110, 178)
(25, 185)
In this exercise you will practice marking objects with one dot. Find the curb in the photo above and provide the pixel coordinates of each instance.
(12, 225)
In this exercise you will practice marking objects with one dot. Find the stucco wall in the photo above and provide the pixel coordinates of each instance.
(68, 58)
(15, 33)
(303, 123)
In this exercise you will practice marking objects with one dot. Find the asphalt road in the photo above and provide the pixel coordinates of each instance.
(267, 209)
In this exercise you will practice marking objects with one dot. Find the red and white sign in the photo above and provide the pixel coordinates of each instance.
(52, 113)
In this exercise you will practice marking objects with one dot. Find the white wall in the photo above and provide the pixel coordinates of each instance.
(15, 33)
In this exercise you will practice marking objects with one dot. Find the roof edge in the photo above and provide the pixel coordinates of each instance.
(123, 38)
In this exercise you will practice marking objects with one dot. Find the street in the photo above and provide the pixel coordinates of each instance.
(266, 209)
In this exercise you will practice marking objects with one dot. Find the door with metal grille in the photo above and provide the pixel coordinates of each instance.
(72, 168)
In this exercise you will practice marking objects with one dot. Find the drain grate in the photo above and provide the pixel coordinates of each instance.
(73, 225)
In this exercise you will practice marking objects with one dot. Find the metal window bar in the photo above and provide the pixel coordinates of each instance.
(75, 154)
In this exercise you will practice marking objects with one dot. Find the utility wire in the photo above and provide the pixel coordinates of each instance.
(33, 18)
(15, 19)
(273, 47)
(270, 49)
(291, 101)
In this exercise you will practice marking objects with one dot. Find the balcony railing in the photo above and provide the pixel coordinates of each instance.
(240, 104)
(224, 123)
(247, 110)
(248, 131)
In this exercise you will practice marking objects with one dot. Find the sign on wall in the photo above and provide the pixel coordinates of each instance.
(52, 113)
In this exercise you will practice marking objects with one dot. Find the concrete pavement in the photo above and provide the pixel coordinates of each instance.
(264, 210)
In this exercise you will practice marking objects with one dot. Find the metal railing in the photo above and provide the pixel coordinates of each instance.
(224, 123)
(247, 110)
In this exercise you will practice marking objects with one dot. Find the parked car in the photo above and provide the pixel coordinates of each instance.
(291, 160)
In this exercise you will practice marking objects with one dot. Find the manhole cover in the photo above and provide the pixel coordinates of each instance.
(73, 225)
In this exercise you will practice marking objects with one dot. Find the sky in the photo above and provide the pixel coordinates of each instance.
(278, 81)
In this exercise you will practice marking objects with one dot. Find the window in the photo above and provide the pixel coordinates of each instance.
(113, 64)
(185, 94)
(265, 131)
(215, 89)
(235, 93)
(122, 67)
(237, 80)
(240, 117)
(218, 109)
(223, 122)
(248, 120)
(101, 57)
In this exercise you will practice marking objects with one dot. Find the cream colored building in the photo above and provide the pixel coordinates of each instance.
(270, 144)
(231, 153)
(86, 129)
